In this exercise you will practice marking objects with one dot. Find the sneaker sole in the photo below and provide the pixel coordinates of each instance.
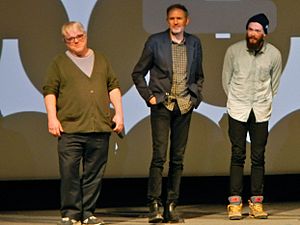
(92, 223)
(175, 221)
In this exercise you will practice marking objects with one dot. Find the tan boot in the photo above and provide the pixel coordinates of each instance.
(257, 210)
(234, 211)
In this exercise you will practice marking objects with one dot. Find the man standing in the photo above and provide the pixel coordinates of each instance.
(251, 73)
(174, 59)
(79, 87)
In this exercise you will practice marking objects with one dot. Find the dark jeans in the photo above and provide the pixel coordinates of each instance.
(167, 125)
(80, 191)
(258, 133)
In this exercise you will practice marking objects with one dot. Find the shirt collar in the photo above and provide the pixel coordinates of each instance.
(181, 43)
(261, 51)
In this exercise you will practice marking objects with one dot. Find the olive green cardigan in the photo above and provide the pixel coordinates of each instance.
(82, 102)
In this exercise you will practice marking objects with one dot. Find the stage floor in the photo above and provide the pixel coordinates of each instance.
(280, 214)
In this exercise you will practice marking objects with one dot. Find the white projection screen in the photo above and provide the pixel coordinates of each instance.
(30, 38)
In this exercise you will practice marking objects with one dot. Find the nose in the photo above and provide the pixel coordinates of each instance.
(252, 32)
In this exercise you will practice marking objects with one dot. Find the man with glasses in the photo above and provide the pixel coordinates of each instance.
(79, 87)
(251, 73)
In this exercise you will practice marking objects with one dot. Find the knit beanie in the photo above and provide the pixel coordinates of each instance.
(261, 19)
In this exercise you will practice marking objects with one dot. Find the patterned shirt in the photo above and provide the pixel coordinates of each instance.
(179, 90)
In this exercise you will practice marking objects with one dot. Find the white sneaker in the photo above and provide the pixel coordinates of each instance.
(68, 221)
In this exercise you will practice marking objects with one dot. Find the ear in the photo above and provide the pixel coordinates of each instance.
(188, 20)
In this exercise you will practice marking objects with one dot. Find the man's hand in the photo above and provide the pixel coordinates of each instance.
(152, 100)
(118, 124)
(54, 127)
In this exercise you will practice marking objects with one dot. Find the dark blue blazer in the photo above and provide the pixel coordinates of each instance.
(157, 58)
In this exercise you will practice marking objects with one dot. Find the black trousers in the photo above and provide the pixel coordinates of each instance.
(80, 190)
(167, 125)
(258, 133)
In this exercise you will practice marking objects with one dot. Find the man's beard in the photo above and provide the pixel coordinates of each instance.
(255, 46)
(176, 31)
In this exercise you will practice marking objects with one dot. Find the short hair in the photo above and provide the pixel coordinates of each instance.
(71, 25)
(178, 6)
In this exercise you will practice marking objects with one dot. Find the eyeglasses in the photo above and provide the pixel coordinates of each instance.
(79, 37)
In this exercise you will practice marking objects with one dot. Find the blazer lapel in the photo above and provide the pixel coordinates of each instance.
(167, 52)
(190, 50)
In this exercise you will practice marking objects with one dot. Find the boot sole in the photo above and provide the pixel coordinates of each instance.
(235, 217)
(259, 217)
(157, 219)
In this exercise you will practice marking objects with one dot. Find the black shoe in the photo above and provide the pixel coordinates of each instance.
(154, 214)
(170, 214)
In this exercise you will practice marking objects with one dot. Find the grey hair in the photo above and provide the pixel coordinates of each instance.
(70, 26)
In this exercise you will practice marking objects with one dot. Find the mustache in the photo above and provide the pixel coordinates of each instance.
(253, 38)
(254, 46)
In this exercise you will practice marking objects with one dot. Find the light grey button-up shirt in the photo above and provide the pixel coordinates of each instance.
(251, 80)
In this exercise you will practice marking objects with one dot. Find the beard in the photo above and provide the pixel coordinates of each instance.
(253, 43)
(176, 31)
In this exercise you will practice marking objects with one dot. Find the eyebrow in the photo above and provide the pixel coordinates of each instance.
(257, 30)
